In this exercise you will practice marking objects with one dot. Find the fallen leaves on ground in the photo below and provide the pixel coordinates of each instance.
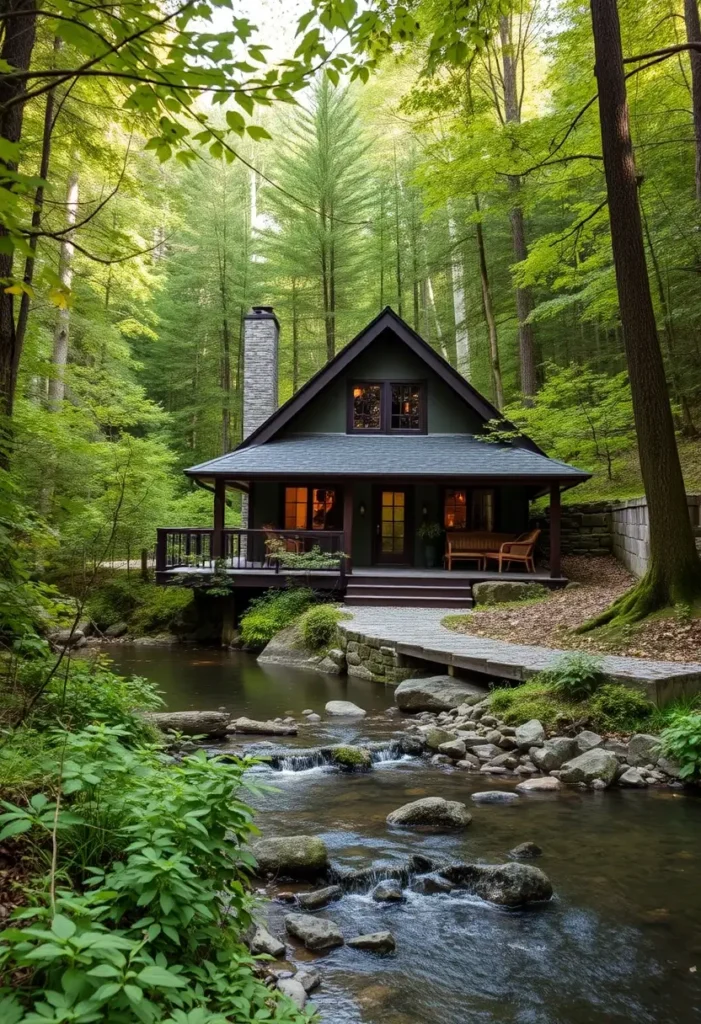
(551, 622)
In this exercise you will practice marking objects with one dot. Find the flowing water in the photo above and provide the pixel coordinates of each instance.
(620, 942)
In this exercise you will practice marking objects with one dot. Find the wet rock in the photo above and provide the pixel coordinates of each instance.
(553, 753)
(68, 638)
(434, 736)
(317, 933)
(432, 811)
(547, 784)
(530, 734)
(308, 978)
(308, 711)
(502, 591)
(588, 741)
(440, 759)
(669, 767)
(436, 693)
(453, 748)
(377, 942)
(294, 990)
(251, 727)
(632, 778)
(261, 941)
(191, 723)
(116, 630)
(320, 897)
(526, 851)
(470, 762)
(431, 885)
(495, 796)
(389, 891)
(504, 761)
(486, 751)
(290, 856)
(596, 765)
(313, 717)
(413, 745)
(509, 885)
(351, 759)
(643, 749)
(471, 739)
(344, 709)
(494, 769)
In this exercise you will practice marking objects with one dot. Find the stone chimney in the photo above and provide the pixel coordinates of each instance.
(261, 333)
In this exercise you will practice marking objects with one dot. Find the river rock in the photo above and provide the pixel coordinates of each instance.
(495, 796)
(595, 765)
(261, 941)
(486, 751)
(192, 723)
(469, 761)
(249, 726)
(116, 630)
(471, 739)
(290, 856)
(432, 811)
(434, 736)
(453, 748)
(344, 709)
(547, 784)
(317, 933)
(553, 753)
(377, 942)
(294, 990)
(526, 851)
(308, 978)
(413, 745)
(320, 897)
(389, 891)
(530, 734)
(504, 761)
(351, 759)
(669, 767)
(643, 749)
(68, 638)
(632, 779)
(509, 885)
(430, 885)
(436, 693)
(502, 591)
(587, 740)
(313, 718)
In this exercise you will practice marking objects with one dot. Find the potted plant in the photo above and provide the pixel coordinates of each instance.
(429, 532)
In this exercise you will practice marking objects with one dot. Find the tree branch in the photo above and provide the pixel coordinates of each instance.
(580, 224)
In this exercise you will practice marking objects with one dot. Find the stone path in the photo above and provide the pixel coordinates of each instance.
(418, 633)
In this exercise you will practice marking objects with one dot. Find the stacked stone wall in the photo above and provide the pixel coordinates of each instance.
(378, 661)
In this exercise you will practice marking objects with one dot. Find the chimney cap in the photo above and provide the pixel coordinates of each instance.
(263, 313)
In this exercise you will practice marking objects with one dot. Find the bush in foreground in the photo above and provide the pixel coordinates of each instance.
(268, 614)
(318, 626)
(682, 742)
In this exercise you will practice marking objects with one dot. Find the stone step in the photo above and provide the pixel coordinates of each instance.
(406, 590)
(419, 601)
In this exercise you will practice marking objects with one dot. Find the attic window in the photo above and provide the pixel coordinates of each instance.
(387, 407)
(367, 407)
(406, 407)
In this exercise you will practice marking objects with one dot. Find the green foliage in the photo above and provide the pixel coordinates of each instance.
(576, 675)
(318, 626)
(145, 607)
(535, 699)
(351, 758)
(429, 530)
(268, 614)
(315, 558)
(619, 708)
(610, 707)
(681, 741)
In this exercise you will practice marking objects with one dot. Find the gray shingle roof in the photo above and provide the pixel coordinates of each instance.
(423, 455)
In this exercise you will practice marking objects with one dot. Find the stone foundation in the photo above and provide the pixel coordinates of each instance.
(377, 660)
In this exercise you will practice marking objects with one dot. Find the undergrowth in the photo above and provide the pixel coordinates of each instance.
(268, 614)
(144, 607)
(318, 626)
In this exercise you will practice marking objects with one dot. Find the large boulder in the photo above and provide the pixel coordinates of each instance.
(115, 631)
(454, 749)
(376, 942)
(595, 766)
(554, 752)
(509, 885)
(192, 723)
(351, 759)
(587, 740)
(259, 940)
(501, 591)
(643, 749)
(294, 990)
(291, 856)
(344, 709)
(68, 638)
(433, 812)
(530, 734)
(251, 727)
(317, 933)
(436, 693)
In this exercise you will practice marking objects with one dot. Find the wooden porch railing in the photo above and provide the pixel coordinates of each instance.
(275, 551)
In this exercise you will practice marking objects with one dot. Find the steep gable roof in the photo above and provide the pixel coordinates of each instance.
(387, 319)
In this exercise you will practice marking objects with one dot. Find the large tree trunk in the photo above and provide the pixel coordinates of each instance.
(20, 28)
(674, 572)
(524, 302)
(397, 238)
(693, 35)
(295, 338)
(59, 356)
(432, 304)
(462, 337)
(489, 317)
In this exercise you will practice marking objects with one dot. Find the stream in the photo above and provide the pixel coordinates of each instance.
(620, 942)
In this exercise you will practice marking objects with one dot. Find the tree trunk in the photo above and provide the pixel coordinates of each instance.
(674, 571)
(397, 237)
(439, 332)
(19, 33)
(295, 338)
(693, 35)
(59, 356)
(462, 337)
(524, 302)
(489, 317)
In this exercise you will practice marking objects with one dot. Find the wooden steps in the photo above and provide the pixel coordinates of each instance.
(407, 591)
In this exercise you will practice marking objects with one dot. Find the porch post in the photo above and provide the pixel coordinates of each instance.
(219, 518)
(555, 564)
(348, 524)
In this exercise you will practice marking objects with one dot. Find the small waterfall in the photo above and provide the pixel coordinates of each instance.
(391, 751)
(362, 880)
(300, 762)
(292, 760)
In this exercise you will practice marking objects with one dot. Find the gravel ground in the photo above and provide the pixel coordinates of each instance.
(551, 622)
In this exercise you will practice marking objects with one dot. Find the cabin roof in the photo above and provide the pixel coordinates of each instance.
(334, 456)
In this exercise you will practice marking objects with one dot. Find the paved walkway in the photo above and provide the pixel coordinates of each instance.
(418, 633)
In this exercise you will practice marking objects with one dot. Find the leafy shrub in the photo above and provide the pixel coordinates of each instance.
(268, 614)
(619, 708)
(318, 626)
(145, 607)
(576, 675)
(682, 742)
(535, 699)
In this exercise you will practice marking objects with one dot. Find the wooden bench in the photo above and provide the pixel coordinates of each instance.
(476, 545)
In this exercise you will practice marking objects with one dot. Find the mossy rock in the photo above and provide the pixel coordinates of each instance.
(351, 759)
(505, 591)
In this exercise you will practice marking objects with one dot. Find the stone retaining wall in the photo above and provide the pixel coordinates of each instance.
(585, 529)
(376, 660)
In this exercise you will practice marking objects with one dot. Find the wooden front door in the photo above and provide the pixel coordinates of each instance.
(392, 540)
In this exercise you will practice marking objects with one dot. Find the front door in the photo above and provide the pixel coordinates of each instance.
(392, 542)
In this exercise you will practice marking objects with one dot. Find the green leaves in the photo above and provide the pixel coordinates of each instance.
(159, 977)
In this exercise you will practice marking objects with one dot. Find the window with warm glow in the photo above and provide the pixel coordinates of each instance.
(323, 505)
(406, 407)
(367, 401)
(455, 510)
(296, 500)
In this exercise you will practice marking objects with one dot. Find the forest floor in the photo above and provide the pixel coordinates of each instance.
(552, 621)
(627, 482)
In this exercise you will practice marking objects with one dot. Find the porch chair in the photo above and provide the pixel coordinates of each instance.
(276, 544)
(520, 550)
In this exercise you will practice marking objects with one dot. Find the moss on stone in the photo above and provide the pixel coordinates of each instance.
(351, 758)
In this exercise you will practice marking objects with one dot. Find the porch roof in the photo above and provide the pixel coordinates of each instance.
(334, 456)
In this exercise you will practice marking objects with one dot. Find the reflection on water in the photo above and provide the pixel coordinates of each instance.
(617, 944)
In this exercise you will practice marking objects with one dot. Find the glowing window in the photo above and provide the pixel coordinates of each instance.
(296, 501)
(367, 399)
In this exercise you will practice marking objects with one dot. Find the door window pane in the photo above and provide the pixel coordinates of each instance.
(392, 529)
(366, 406)
(296, 508)
(323, 508)
(406, 407)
